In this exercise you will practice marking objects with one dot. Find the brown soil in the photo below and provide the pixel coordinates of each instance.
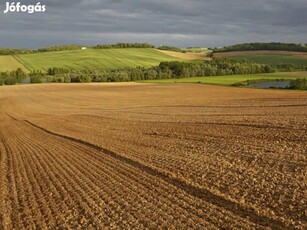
(146, 156)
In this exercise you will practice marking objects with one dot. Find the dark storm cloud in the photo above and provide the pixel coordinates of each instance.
(176, 22)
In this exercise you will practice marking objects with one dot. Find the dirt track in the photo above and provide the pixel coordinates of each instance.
(152, 156)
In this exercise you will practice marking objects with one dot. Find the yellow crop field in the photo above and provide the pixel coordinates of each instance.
(8, 63)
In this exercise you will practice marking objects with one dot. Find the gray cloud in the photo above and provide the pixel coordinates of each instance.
(174, 22)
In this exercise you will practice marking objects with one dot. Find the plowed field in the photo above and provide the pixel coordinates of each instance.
(152, 156)
(272, 57)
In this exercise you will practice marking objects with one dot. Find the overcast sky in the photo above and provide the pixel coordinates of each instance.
(183, 23)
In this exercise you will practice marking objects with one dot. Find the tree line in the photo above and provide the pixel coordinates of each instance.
(263, 46)
(9, 51)
(299, 83)
(290, 67)
(170, 48)
(124, 45)
(12, 77)
(165, 70)
(59, 48)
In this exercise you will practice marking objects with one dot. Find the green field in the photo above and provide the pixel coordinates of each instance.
(273, 59)
(94, 59)
(232, 79)
(9, 63)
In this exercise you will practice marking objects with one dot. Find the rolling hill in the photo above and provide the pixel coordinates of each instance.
(97, 59)
(94, 59)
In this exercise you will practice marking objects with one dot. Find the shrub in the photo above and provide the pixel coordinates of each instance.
(81, 78)
(10, 81)
(35, 79)
(300, 83)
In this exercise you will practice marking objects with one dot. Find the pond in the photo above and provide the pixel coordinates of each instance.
(271, 84)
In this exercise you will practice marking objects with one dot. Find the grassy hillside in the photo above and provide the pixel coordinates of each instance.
(268, 57)
(94, 59)
(8, 63)
(229, 80)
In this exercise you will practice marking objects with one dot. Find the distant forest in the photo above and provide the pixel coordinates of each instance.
(170, 48)
(263, 46)
(8, 51)
(238, 47)
(125, 45)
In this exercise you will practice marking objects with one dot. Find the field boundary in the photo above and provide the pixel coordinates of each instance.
(22, 62)
(197, 192)
(9, 63)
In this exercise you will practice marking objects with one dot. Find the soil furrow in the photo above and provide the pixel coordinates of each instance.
(68, 165)
(192, 190)
(47, 204)
(84, 205)
(32, 199)
(85, 170)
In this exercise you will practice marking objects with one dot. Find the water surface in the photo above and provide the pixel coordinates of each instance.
(271, 84)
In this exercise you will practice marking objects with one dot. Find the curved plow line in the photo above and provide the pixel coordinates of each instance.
(200, 193)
